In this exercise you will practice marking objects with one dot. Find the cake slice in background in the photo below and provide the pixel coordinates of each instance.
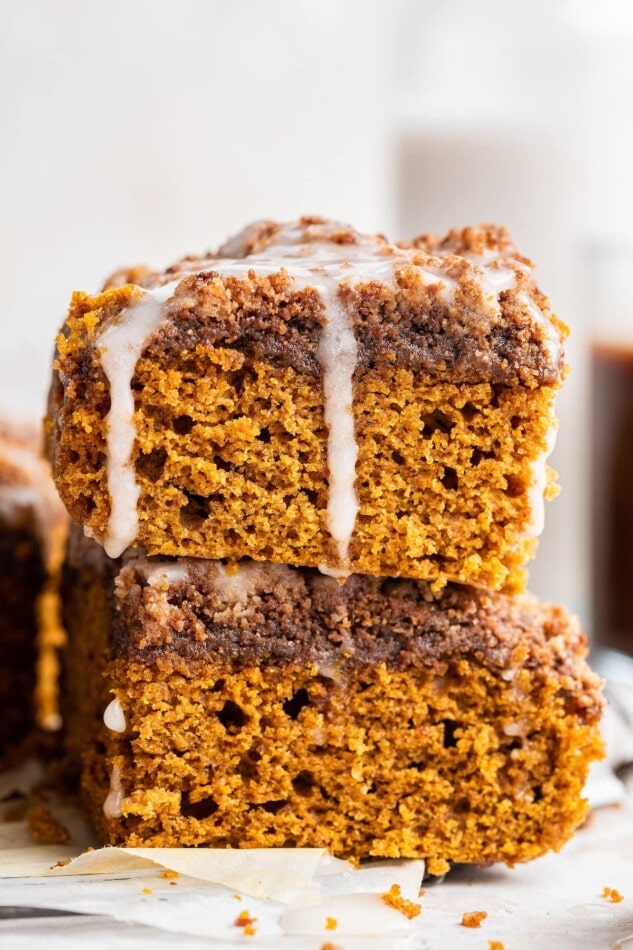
(310, 395)
(33, 527)
(270, 706)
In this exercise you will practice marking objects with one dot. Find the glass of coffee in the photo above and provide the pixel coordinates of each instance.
(611, 293)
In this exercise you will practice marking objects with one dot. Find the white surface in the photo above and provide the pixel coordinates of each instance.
(140, 130)
(555, 902)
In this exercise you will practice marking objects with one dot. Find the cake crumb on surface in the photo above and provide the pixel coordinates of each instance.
(245, 921)
(330, 946)
(331, 923)
(169, 875)
(63, 863)
(474, 918)
(495, 945)
(44, 828)
(438, 866)
(612, 895)
(146, 890)
(393, 898)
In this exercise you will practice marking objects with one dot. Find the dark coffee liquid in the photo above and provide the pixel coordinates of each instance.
(612, 507)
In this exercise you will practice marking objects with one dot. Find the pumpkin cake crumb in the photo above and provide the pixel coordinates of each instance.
(246, 922)
(612, 895)
(474, 918)
(44, 828)
(393, 898)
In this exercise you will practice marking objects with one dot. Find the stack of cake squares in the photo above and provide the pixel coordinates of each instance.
(310, 469)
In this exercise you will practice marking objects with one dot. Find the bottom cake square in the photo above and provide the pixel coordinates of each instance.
(269, 706)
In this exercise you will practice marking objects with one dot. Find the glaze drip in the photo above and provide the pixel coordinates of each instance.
(114, 799)
(121, 345)
(114, 717)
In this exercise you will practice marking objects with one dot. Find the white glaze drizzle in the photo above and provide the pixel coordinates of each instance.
(311, 261)
(337, 354)
(496, 280)
(550, 337)
(121, 344)
(249, 578)
(114, 717)
(114, 799)
(339, 573)
(166, 572)
(37, 495)
(536, 490)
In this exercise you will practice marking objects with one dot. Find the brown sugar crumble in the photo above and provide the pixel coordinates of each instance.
(612, 895)
(44, 828)
(393, 898)
(474, 918)
(331, 923)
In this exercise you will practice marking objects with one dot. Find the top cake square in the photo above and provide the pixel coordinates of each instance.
(314, 396)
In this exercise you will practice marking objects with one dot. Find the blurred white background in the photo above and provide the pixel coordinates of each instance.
(137, 130)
